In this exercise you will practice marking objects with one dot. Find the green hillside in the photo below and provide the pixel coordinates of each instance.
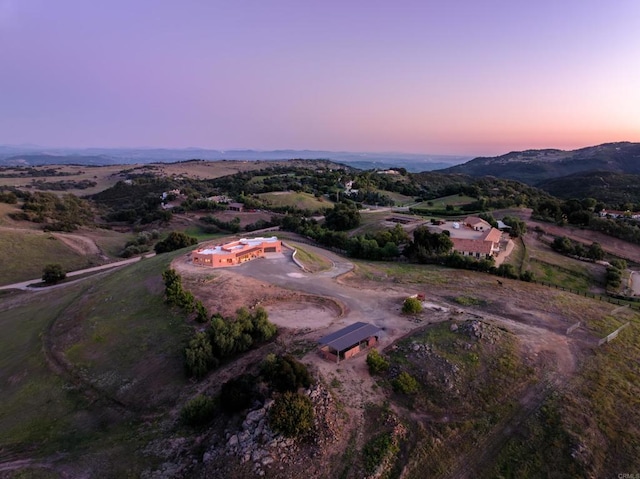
(23, 255)
(82, 366)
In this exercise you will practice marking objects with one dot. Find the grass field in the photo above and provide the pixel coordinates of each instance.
(120, 340)
(312, 262)
(554, 268)
(398, 198)
(443, 202)
(110, 242)
(23, 255)
(299, 200)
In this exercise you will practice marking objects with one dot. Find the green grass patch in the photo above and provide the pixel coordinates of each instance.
(472, 379)
(198, 232)
(123, 327)
(444, 201)
(469, 301)
(24, 256)
(577, 278)
(305, 201)
(312, 261)
(121, 340)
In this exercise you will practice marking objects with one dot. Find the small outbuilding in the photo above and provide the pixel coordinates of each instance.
(349, 341)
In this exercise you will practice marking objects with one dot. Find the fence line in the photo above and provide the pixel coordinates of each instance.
(613, 335)
(572, 328)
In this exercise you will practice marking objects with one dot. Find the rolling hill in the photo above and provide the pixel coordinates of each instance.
(536, 166)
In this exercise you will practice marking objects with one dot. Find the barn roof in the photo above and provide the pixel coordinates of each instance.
(350, 335)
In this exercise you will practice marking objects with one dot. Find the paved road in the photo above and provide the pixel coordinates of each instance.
(29, 285)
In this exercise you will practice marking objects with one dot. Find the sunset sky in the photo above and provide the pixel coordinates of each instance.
(468, 77)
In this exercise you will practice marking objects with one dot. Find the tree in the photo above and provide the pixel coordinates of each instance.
(198, 411)
(405, 383)
(343, 216)
(376, 362)
(52, 273)
(427, 245)
(199, 356)
(518, 227)
(175, 240)
(595, 252)
(563, 245)
(411, 306)
(285, 373)
(238, 393)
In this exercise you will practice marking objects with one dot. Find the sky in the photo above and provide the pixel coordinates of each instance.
(460, 77)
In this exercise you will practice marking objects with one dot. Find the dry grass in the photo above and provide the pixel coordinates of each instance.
(24, 254)
(303, 201)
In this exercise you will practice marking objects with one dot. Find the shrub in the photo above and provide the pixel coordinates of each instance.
(619, 264)
(198, 411)
(405, 383)
(52, 273)
(376, 362)
(291, 414)
(199, 356)
(376, 450)
(285, 373)
(412, 306)
(238, 393)
(527, 276)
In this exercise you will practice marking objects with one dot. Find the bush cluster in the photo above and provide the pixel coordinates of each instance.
(614, 273)
(566, 246)
(198, 411)
(140, 244)
(411, 306)
(225, 338)
(238, 393)
(376, 450)
(291, 414)
(405, 383)
(52, 273)
(175, 294)
(285, 373)
(176, 240)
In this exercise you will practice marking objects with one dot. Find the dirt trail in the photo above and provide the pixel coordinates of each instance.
(80, 244)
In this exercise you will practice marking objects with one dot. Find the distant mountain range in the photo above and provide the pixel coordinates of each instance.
(36, 156)
(535, 167)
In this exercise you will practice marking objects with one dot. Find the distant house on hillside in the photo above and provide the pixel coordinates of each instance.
(476, 223)
(236, 207)
(484, 246)
(619, 214)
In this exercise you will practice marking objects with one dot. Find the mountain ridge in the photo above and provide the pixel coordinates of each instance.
(39, 156)
(537, 166)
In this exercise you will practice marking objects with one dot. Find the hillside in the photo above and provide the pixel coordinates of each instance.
(494, 386)
(606, 186)
(535, 166)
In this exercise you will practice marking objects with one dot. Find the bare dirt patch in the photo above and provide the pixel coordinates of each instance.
(295, 315)
(80, 244)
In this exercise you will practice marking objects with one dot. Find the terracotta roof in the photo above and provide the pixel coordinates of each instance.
(472, 245)
(494, 235)
(474, 220)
